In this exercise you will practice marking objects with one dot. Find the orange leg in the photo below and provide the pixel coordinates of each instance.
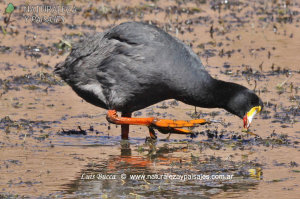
(163, 125)
(114, 118)
(178, 123)
(125, 127)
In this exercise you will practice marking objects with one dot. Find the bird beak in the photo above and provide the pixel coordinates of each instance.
(250, 115)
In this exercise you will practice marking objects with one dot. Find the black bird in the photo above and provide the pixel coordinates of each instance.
(135, 65)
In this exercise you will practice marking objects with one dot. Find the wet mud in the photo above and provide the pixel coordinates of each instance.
(54, 144)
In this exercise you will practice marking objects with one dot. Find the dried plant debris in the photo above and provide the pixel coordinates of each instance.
(72, 132)
(79, 131)
(218, 140)
(288, 115)
(12, 126)
(118, 12)
(29, 81)
(5, 49)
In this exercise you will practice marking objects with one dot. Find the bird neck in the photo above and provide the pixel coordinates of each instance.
(224, 92)
(212, 94)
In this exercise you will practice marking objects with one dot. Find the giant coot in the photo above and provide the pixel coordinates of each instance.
(135, 65)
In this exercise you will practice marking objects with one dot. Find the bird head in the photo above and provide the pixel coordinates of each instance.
(250, 115)
(245, 104)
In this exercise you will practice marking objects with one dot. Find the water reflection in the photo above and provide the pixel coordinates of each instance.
(162, 170)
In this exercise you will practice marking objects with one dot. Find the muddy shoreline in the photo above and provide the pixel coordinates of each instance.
(50, 137)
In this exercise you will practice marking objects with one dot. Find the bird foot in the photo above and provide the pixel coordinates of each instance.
(162, 125)
(176, 126)
(177, 123)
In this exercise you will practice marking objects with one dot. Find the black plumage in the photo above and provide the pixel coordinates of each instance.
(135, 65)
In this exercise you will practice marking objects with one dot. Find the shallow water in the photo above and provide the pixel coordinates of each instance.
(51, 140)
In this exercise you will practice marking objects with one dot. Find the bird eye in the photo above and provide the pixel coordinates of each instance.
(254, 102)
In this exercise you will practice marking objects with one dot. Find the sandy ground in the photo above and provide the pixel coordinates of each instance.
(43, 152)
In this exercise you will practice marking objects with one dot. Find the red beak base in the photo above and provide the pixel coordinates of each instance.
(245, 119)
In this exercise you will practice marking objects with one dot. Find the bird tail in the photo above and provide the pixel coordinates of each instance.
(58, 68)
(83, 48)
(63, 68)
